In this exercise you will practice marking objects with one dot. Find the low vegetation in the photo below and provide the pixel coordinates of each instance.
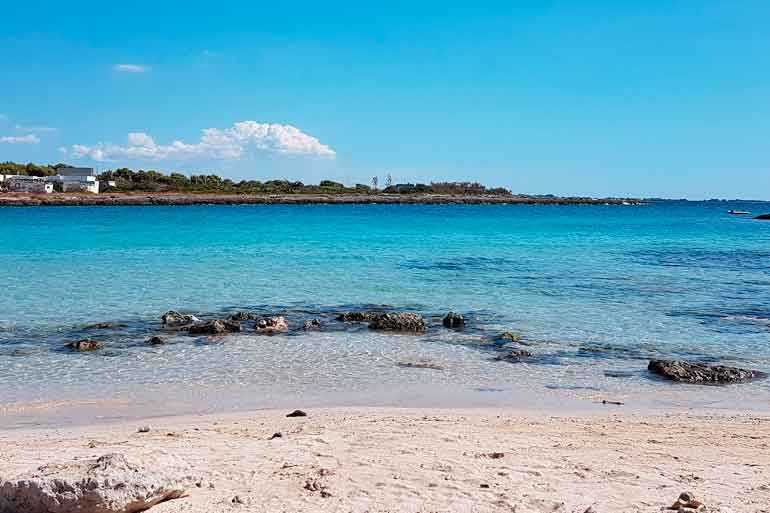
(128, 180)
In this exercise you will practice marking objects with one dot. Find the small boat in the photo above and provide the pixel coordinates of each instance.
(739, 212)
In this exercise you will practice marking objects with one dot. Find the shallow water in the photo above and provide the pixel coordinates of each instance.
(593, 290)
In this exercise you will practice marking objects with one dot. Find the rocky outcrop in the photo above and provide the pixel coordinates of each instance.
(173, 318)
(85, 345)
(454, 320)
(312, 324)
(702, 374)
(358, 316)
(403, 321)
(216, 327)
(513, 356)
(271, 325)
(110, 484)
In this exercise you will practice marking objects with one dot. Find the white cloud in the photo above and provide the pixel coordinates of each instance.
(23, 139)
(216, 143)
(131, 68)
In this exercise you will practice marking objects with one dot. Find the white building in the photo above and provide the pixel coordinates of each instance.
(29, 184)
(76, 179)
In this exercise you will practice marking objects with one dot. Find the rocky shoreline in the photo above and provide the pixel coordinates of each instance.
(148, 199)
(505, 347)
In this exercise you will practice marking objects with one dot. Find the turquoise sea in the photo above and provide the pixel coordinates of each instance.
(595, 292)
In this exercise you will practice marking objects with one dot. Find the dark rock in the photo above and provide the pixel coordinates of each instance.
(420, 365)
(173, 318)
(357, 316)
(513, 356)
(156, 341)
(619, 374)
(404, 321)
(243, 316)
(217, 327)
(312, 324)
(85, 345)
(700, 373)
(453, 320)
(297, 413)
(276, 435)
(763, 217)
(143, 429)
(271, 325)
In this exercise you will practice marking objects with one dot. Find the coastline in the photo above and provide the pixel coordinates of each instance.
(390, 459)
(147, 199)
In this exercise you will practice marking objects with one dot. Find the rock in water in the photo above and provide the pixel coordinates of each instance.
(407, 322)
(111, 484)
(513, 356)
(357, 316)
(763, 217)
(85, 345)
(312, 324)
(454, 320)
(217, 327)
(271, 325)
(173, 318)
(700, 373)
(243, 316)
(156, 341)
(510, 337)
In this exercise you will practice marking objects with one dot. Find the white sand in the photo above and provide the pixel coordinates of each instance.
(414, 460)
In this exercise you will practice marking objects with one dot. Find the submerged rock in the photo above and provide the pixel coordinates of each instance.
(454, 320)
(513, 356)
(156, 341)
(763, 217)
(358, 316)
(420, 365)
(509, 336)
(102, 326)
(84, 345)
(271, 325)
(700, 373)
(174, 318)
(404, 321)
(312, 324)
(110, 484)
(243, 316)
(216, 327)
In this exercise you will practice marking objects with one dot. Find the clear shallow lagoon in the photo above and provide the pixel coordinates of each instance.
(591, 288)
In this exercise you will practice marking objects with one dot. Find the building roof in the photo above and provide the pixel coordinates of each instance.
(76, 171)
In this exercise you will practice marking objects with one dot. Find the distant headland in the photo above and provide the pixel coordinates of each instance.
(63, 185)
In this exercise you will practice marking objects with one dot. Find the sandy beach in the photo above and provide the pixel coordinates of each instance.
(423, 460)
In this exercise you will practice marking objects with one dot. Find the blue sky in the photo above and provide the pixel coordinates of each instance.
(638, 98)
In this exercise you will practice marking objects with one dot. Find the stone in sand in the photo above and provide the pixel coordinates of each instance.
(216, 327)
(702, 374)
(453, 320)
(110, 484)
(297, 413)
(420, 365)
(174, 318)
(402, 321)
(84, 345)
(271, 325)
